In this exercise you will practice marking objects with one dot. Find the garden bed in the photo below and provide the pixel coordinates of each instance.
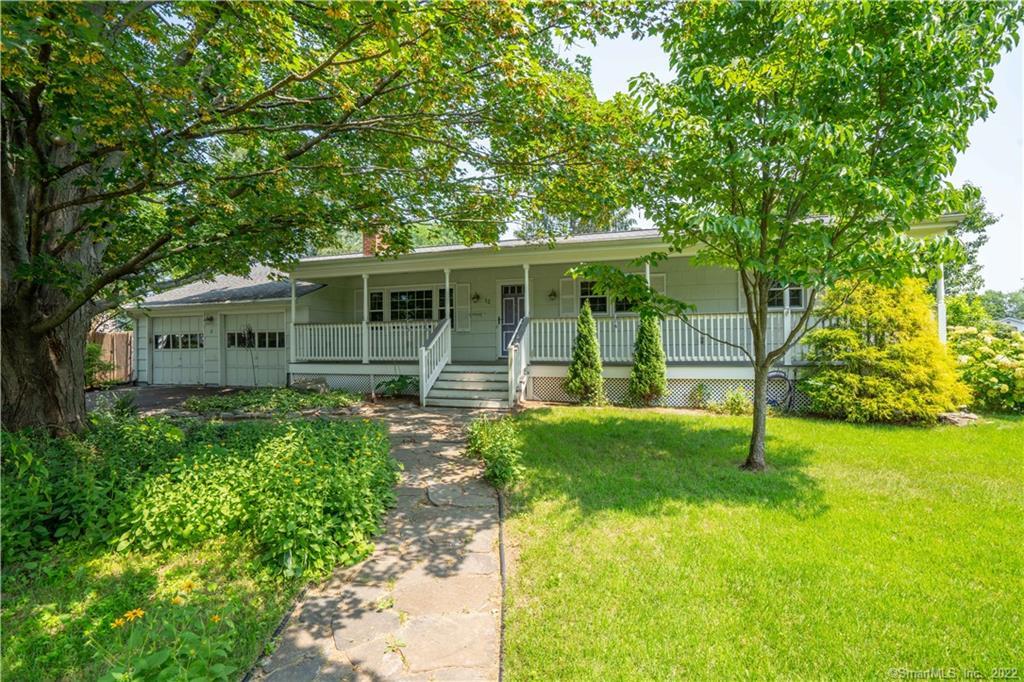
(152, 545)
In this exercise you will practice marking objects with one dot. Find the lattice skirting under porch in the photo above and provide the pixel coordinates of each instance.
(354, 383)
(681, 392)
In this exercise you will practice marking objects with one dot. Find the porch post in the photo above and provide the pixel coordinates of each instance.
(291, 324)
(647, 273)
(525, 350)
(449, 297)
(787, 322)
(940, 303)
(366, 318)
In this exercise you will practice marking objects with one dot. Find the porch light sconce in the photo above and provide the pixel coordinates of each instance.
(552, 295)
(475, 298)
(208, 318)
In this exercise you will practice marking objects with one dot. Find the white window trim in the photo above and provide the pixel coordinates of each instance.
(609, 302)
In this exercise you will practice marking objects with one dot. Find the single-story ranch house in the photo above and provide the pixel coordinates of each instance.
(477, 326)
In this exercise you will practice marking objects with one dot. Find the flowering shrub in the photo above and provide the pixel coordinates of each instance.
(498, 443)
(991, 362)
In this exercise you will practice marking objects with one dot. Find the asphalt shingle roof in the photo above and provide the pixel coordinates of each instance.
(261, 284)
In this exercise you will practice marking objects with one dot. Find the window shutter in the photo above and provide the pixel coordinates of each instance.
(462, 310)
(567, 297)
(658, 283)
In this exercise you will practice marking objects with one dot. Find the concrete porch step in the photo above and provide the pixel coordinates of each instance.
(478, 369)
(469, 384)
(447, 375)
(465, 402)
(471, 394)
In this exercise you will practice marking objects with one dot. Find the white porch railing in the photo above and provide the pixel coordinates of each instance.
(518, 359)
(344, 342)
(328, 342)
(434, 355)
(398, 340)
(689, 340)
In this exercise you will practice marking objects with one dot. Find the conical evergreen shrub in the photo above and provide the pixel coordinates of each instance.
(647, 382)
(584, 381)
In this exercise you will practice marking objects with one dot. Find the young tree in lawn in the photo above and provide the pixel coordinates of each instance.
(584, 380)
(647, 381)
(798, 142)
(152, 143)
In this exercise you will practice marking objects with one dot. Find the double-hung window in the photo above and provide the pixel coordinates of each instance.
(417, 304)
(446, 304)
(376, 306)
(588, 294)
(778, 293)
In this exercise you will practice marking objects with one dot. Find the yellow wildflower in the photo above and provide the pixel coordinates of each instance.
(178, 601)
(118, 622)
(188, 585)
(215, 618)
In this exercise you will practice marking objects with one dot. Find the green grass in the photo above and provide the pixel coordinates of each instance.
(644, 553)
(57, 614)
(270, 400)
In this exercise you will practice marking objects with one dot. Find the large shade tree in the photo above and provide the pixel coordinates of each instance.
(150, 143)
(798, 142)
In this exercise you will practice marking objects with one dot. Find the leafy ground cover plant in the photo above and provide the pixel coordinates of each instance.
(400, 385)
(498, 443)
(270, 400)
(991, 362)
(107, 537)
(736, 402)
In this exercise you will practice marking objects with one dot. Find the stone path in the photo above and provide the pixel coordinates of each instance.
(426, 605)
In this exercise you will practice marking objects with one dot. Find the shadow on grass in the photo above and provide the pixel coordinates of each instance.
(641, 461)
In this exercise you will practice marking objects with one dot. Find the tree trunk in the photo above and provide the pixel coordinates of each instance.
(43, 376)
(755, 454)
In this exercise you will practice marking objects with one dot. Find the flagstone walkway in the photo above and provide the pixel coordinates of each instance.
(426, 605)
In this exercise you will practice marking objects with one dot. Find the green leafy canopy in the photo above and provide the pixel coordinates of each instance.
(151, 140)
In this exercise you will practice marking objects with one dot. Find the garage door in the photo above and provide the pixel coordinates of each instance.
(254, 349)
(177, 350)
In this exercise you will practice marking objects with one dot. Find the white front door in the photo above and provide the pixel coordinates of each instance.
(511, 312)
(178, 350)
(255, 352)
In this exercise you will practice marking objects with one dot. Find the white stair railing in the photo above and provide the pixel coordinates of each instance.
(435, 353)
(518, 349)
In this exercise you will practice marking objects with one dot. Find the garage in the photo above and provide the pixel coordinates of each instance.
(254, 349)
(178, 350)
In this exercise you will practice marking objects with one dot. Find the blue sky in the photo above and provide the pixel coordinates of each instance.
(994, 161)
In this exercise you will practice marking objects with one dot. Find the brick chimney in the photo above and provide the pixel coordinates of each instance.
(372, 243)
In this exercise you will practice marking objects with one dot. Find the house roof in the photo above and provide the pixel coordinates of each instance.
(261, 284)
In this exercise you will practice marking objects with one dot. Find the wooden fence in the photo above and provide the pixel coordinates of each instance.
(117, 350)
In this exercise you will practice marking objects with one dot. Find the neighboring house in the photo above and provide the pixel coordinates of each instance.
(478, 326)
(1014, 322)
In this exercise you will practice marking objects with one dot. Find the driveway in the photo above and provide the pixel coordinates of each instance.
(426, 605)
(153, 399)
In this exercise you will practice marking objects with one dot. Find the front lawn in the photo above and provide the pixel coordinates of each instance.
(864, 552)
(150, 548)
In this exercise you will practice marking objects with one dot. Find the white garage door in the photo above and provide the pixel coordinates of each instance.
(177, 350)
(254, 349)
